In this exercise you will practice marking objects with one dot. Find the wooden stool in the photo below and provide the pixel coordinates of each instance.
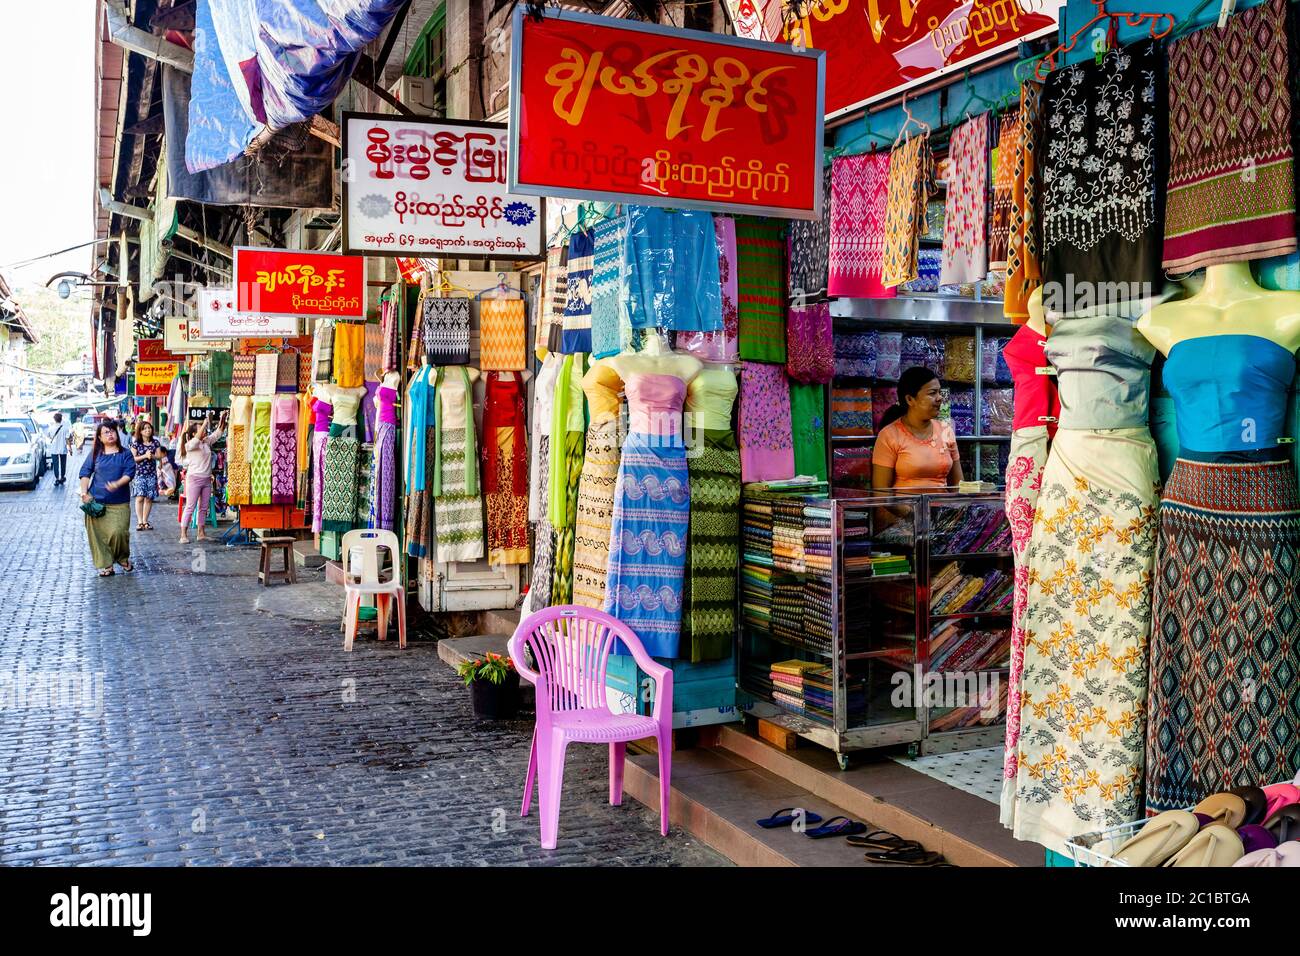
(288, 574)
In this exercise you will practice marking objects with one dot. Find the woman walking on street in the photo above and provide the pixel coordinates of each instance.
(146, 450)
(195, 455)
(105, 477)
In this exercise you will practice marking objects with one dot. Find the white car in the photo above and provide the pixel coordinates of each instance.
(19, 456)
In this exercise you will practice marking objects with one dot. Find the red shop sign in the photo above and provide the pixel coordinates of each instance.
(152, 350)
(295, 282)
(874, 48)
(621, 110)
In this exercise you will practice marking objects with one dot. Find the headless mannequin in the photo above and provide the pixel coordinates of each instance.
(1230, 303)
(1038, 314)
(655, 359)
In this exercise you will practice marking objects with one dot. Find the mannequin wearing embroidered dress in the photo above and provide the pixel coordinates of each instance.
(1033, 424)
(651, 498)
(1225, 605)
(709, 614)
(454, 484)
(602, 386)
(383, 479)
(338, 494)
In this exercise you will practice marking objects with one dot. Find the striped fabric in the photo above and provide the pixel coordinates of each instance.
(760, 251)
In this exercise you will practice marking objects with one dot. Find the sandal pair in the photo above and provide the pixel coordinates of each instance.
(886, 847)
(835, 826)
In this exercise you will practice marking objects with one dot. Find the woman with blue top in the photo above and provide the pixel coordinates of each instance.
(106, 479)
(1225, 645)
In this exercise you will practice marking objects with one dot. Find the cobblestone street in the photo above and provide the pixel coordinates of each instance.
(226, 735)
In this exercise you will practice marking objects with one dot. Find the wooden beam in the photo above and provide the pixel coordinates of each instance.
(124, 34)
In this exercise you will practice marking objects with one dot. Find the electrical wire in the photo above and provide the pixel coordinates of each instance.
(51, 255)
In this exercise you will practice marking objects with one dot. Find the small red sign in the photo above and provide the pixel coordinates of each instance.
(617, 109)
(295, 282)
(152, 350)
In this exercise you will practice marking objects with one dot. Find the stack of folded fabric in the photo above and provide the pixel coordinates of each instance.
(855, 355)
(882, 564)
(851, 467)
(787, 608)
(819, 694)
(963, 411)
(956, 648)
(889, 353)
(787, 683)
(756, 570)
(787, 536)
(977, 529)
(952, 592)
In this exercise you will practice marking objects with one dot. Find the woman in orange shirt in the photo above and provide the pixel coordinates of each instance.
(915, 450)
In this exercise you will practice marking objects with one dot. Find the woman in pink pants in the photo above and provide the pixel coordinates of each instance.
(196, 456)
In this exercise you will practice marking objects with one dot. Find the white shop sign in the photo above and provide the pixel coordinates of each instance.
(217, 319)
(433, 187)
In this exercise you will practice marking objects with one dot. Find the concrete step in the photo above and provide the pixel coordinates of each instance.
(500, 622)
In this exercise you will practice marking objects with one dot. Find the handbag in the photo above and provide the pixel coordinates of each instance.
(93, 508)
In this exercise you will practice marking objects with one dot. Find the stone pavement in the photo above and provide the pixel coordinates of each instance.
(207, 731)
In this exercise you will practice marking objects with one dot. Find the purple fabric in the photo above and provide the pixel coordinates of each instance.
(318, 482)
(387, 406)
(383, 492)
(368, 411)
(284, 465)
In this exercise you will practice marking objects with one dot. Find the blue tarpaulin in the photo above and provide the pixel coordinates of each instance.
(271, 63)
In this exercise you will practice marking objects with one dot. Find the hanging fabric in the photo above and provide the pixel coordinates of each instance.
(350, 354)
(544, 388)
(722, 345)
(503, 335)
(1023, 274)
(457, 507)
(810, 343)
(1004, 177)
(611, 326)
(809, 245)
(760, 280)
(239, 490)
(322, 350)
(808, 418)
(243, 375)
(600, 461)
(576, 336)
(420, 403)
(965, 223)
(383, 480)
(766, 437)
(323, 412)
(568, 425)
(444, 330)
(261, 459)
(266, 372)
(374, 349)
(339, 488)
(911, 184)
(859, 190)
(389, 330)
(284, 450)
(505, 469)
(671, 261)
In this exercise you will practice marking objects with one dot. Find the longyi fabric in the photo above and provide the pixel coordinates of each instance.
(611, 327)
(859, 190)
(350, 354)
(505, 469)
(911, 184)
(671, 261)
(766, 436)
(1004, 176)
(576, 334)
(965, 224)
(760, 289)
(503, 335)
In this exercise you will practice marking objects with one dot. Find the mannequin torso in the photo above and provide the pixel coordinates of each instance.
(1230, 303)
(655, 359)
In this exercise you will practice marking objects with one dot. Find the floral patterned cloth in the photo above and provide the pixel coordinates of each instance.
(766, 433)
(1024, 479)
(965, 249)
(859, 190)
(1023, 274)
(1102, 183)
(1087, 621)
(145, 482)
(911, 184)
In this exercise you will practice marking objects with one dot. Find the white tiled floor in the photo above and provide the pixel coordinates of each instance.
(975, 771)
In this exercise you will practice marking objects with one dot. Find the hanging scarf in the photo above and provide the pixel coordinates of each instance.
(965, 252)
(389, 330)
(611, 326)
(761, 295)
(859, 189)
(1023, 275)
(911, 184)
(1004, 176)
(418, 404)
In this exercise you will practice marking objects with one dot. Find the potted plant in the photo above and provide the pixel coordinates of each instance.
(493, 685)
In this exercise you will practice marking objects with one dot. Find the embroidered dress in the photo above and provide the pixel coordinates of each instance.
(652, 501)
(1087, 613)
(911, 184)
(766, 436)
(1023, 275)
(1036, 411)
(709, 618)
(809, 243)
(611, 328)
(284, 451)
(444, 330)
(503, 335)
(1004, 176)
(454, 485)
(671, 263)
(1231, 161)
(1225, 646)
(505, 469)
(859, 190)
(1103, 135)
(261, 459)
(760, 289)
(576, 335)
(539, 592)
(600, 463)
(965, 253)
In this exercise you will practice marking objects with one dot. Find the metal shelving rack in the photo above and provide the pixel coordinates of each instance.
(881, 625)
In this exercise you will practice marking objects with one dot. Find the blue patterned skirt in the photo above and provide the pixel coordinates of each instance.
(647, 551)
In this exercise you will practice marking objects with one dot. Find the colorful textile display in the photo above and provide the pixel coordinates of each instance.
(611, 327)
(322, 350)
(601, 386)
(911, 184)
(243, 375)
(350, 354)
(1226, 618)
(266, 370)
(1104, 132)
(339, 482)
(652, 500)
(444, 330)
(539, 591)
(965, 224)
(383, 479)
(1004, 177)
(859, 190)
(503, 334)
(766, 434)
(810, 343)
(388, 324)
(420, 440)
(374, 352)
(959, 359)
(284, 450)
(1231, 95)
(286, 372)
(883, 397)
(722, 345)
(671, 260)
(855, 355)
(761, 289)
(505, 469)
(261, 457)
(808, 415)
(321, 412)
(576, 334)
(549, 316)
(454, 484)
(851, 412)
(808, 246)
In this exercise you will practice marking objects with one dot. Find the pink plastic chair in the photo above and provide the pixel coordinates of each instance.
(571, 647)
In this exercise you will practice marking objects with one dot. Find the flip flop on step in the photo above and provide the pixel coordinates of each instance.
(836, 826)
(880, 840)
(1160, 838)
(907, 856)
(786, 816)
